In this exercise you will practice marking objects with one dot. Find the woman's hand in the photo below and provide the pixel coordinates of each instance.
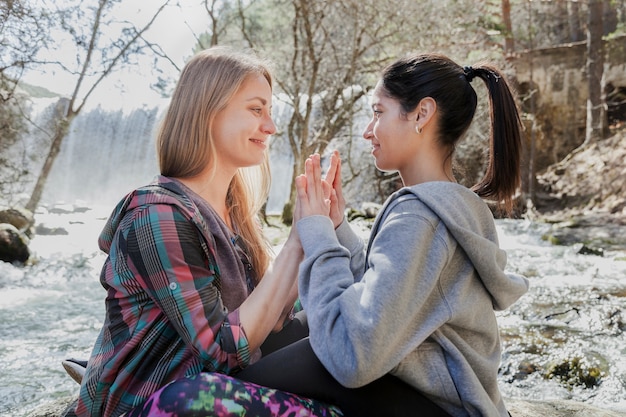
(333, 179)
(313, 197)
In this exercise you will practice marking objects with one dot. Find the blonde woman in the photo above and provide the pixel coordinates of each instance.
(186, 252)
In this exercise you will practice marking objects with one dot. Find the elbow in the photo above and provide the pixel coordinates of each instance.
(352, 378)
(348, 372)
(351, 381)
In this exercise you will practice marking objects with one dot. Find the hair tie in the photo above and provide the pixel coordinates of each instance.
(469, 73)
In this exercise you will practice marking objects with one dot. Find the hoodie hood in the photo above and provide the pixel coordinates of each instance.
(470, 221)
(162, 190)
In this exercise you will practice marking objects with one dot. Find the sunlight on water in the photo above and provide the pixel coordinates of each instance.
(575, 309)
(49, 311)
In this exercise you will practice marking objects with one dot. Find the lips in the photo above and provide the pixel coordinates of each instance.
(258, 142)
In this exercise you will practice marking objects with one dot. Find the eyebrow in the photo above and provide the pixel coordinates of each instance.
(261, 99)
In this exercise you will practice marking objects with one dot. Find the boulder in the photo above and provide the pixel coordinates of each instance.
(55, 408)
(13, 244)
(44, 230)
(556, 408)
(21, 218)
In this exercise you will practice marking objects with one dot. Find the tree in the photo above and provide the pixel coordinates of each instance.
(596, 106)
(322, 64)
(509, 40)
(97, 56)
(25, 31)
(224, 17)
(12, 125)
(327, 56)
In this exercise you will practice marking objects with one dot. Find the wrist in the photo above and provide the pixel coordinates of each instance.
(292, 244)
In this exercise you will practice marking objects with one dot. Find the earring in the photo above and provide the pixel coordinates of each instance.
(418, 129)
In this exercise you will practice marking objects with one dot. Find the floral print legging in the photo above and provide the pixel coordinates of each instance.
(219, 395)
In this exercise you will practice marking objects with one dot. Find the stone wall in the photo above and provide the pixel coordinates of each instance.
(552, 85)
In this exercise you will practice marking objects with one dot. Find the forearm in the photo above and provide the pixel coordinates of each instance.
(288, 308)
(269, 304)
(355, 245)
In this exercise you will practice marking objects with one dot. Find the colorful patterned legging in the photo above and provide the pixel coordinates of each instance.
(212, 394)
(296, 375)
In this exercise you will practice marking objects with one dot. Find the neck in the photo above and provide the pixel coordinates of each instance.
(213, 189)
(427, 166)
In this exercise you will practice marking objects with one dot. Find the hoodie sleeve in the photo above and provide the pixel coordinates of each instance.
(361, 331)
(355, 245)
(165, 255)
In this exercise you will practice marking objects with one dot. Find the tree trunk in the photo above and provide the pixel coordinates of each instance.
(63, 118)
(509, 41)
(596, 112)
(298, 168)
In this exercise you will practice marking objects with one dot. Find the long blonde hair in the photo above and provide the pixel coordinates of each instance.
(185, 145)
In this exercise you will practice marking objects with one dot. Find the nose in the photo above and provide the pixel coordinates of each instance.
(268, 127)
(368, 133)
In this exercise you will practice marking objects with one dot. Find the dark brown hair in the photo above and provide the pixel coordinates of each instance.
(415, 77)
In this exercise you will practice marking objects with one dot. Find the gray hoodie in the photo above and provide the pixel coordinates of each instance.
(418, 302)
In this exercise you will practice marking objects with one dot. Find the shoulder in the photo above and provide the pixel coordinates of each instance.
(451, 202)
(404, 203)
(155, 206)
(163, 191)
(163, 195)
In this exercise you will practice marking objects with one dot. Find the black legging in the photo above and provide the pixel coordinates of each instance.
(289, 364)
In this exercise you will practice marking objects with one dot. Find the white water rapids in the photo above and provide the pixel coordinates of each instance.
(53, 310)
(575, 312)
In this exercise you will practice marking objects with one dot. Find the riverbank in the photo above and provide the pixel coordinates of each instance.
(584, 193)
(575, 307)
(587, 187)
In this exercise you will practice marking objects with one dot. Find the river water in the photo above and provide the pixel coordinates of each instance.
(572, 320)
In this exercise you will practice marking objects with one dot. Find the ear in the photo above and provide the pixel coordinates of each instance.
(426, 109)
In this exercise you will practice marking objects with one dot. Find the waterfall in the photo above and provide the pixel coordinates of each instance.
(108, 153)
(105, 155)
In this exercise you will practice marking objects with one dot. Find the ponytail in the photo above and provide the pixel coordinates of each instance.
(502, 177)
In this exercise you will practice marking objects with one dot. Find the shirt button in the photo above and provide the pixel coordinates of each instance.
(173, 285)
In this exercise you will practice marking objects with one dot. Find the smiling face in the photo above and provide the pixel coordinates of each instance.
(242, 129)
(390, 132)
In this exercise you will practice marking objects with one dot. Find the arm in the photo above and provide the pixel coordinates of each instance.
(289, 308)
(355, 245)
(165, 249)
(361, 331)
(266, 309)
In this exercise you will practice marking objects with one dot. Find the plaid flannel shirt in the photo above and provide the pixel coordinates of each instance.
(164, 314)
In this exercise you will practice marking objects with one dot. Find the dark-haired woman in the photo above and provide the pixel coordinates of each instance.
(418, 302)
